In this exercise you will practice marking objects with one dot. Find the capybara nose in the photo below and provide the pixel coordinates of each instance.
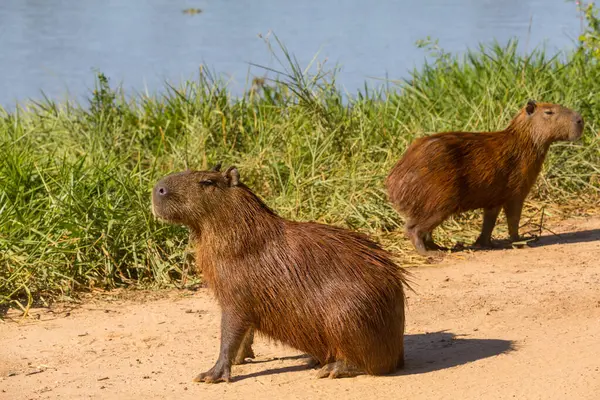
(161, 191)
(578, 119)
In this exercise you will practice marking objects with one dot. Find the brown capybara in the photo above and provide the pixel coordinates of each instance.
(452, 172)
(327, 291)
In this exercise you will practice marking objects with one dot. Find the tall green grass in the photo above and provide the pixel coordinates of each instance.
(75, 179)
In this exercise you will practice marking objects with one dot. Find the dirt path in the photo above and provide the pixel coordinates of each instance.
(521, 323)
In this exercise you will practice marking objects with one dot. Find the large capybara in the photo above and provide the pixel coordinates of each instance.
(327, 291)
(452, 172)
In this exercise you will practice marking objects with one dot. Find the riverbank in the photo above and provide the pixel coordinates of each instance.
(502, 324)
(74, 200)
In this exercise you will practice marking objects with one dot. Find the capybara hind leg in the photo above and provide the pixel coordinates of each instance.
(420, 232)
(490, 215)
(245, 350)
(233, 330)
(431, 245)
(416, 239)
(338, 369)
(513, 209)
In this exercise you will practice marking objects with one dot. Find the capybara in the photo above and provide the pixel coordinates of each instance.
(327, 291)
(452, 172)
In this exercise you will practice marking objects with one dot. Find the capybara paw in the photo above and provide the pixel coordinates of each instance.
(483, 244)
(337, 369)
(214, 375)
(327, 371)
(425, 252)
(432, 246)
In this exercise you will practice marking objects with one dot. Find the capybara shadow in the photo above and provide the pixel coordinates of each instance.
(327, 291)
(274, 371)
(427, 352)
(449, 173)
(591, 235)
(435, 351)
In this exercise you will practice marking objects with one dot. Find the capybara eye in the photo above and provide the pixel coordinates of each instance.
(549, 112)
(207, 182)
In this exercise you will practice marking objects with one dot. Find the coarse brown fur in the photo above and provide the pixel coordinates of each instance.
(452, 172)
(327, 291)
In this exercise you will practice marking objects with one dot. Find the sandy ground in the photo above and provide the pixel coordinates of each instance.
(522, 323)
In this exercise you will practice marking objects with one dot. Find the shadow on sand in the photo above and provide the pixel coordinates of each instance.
(424, 353)
(435, 351)
(547, 240)
(567, 238)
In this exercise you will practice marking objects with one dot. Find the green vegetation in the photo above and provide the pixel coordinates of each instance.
(75, 181)
(590, 37)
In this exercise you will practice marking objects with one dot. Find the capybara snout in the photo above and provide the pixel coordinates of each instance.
(578, 131)
(186, 196)
(553, 122)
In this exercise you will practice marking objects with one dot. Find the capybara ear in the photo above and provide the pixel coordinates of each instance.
(232, 175)
(217, 167)
(530, 108)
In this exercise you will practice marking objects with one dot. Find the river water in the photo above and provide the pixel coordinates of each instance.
(54, 46)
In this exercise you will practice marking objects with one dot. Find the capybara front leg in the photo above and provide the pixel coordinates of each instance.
(513, 209)
(233, 330)
(338, 369)
(245, 350)
(490, 215)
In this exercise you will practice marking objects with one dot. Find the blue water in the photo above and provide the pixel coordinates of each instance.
(55, 46)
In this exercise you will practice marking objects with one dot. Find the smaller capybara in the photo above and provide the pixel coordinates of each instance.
(327, 291)
(452, 172)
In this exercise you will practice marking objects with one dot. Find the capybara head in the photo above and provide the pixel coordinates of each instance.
(551, 122)
(188, 197)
